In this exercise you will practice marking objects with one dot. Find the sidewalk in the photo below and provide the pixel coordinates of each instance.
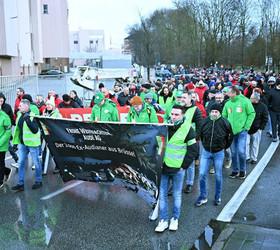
(240, 236)
(230, 236)
(255, 225)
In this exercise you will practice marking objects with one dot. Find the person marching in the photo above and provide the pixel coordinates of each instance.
(27, 136)
(216, 135)
(240, 113)
(5, 135)
(104, 109)
(255, 132)
(181, 150)
(50, 111)
(196, 120)
(141, 112)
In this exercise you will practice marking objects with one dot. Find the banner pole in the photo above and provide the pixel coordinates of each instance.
(47, 160)
(154, 214)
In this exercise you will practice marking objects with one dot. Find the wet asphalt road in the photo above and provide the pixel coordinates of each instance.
(96, 216)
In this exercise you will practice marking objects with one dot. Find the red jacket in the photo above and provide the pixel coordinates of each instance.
(17, 102)
(200, 92)
(202, 109)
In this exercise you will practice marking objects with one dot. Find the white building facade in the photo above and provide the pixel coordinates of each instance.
(34, 37)
(92, 41)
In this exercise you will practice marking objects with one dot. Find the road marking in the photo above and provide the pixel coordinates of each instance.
(59, 191)
(239, 196)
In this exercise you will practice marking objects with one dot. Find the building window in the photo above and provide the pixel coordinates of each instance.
(45, 9)
(76, 42)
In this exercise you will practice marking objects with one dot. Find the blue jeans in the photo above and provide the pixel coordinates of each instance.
(205, 160)
(190, 174)
(238, 152)
(177, 180)
(23, 154)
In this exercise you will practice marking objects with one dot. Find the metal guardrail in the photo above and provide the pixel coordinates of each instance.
(9, 85)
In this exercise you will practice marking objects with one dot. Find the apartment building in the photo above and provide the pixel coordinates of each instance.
(34, 36)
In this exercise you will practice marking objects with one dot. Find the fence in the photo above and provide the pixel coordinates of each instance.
(9, 85)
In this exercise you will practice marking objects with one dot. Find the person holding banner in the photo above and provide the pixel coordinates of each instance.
(104, 109)
(141, 112)
(27, 136)
(5, 135)
(196, 120)
(50, 111)
(181, 150)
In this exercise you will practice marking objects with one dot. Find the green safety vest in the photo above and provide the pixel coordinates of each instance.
(29, 139)
(166, 105)
(176, 148)
(189, 115)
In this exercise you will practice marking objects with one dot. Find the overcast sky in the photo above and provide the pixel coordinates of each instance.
(113, 16)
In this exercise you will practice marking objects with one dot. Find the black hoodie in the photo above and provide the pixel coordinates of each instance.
(7, 108)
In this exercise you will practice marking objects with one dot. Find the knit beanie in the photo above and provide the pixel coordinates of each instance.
(136, 100)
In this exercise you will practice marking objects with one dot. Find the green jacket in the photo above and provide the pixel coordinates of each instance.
(5, 131)
(29, 139)
(34, 109)
(107, 112)
(146, 115)
(240, 113)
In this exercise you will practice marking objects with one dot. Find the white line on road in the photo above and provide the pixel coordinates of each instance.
(235, 202)
(59, 191)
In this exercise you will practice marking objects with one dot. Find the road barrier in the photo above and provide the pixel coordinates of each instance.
(9, 85)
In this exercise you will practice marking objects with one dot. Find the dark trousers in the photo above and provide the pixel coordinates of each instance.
(12, 152)
(275, 123)
(3, 169)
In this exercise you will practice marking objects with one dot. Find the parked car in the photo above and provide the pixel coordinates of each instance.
(55, 73)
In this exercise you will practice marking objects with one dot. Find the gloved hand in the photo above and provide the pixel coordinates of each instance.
(26, 116)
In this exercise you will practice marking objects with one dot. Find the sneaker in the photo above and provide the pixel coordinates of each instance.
(253, 162)
(33, 167)
(274, 140)
(248, 160)
(218, 202)
(37, 185)
(227, 164)
(242, 175)
(18, 187)
(15, 165)
(212, 170)
(173, 226)
(233, 175)
(188, 189)
(201, 201)
(162, 226)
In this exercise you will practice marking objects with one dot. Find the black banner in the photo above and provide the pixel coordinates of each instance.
(123, 154)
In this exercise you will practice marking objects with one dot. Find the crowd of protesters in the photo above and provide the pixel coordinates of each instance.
(218, 117)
